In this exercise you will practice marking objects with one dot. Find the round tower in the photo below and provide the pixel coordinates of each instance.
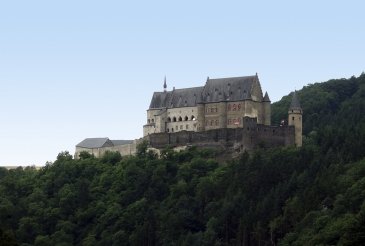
(266, 102)
(295, 114)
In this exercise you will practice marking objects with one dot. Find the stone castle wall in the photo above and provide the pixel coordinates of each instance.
(250, 136)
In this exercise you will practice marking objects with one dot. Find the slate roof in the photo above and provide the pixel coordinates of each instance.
(266, 98)
(160, 99)
(185, 97)
(228, 89)
(92, 143)
(295, 102)
(215, 90)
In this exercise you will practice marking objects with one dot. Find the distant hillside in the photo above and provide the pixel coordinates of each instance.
(334, 102)
(313, 195)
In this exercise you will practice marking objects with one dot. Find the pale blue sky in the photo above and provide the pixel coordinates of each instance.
(76, 69)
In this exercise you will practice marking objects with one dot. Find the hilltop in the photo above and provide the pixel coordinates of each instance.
(313, 195)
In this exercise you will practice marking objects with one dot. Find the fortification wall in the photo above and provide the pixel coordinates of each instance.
(249, 137)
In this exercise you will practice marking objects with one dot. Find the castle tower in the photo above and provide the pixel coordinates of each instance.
(267, 109)
(295, 119)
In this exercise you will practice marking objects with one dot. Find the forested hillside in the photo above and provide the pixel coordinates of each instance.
(314, 195)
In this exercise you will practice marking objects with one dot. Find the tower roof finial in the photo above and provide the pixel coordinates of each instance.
(164, 84)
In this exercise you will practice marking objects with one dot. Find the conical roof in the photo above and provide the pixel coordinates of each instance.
(266, 98)
(295, 102)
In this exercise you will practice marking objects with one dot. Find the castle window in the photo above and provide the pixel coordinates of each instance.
(187, 127)
(168, 129)
(211, 122)
(180, 119)
(234, 107)
(168, 119)
(172, 129)
(293, 118)
(174, 119)
(192, 117)
(177, 128)
(149, 121)
(216, 122)
(153, 120)
(181, 127)
(239, 106)
(186, 118)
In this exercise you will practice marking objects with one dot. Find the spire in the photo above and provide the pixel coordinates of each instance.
(164, 84)
(266, 98)
(295, 102)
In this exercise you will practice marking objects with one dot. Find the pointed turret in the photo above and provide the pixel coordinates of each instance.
(164, 85)
(266, 103)
(295, 102)
(295, 118)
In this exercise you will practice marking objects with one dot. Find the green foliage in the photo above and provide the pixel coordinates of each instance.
(284, 196)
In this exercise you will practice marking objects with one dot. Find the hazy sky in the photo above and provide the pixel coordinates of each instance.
(76, 69)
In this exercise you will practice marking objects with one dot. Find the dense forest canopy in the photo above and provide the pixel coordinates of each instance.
(314, 195)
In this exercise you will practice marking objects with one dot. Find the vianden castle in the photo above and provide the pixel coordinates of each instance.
(231, 114)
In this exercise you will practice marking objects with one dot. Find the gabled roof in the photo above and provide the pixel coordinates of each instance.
(92, 143)
(160, 99)
(228, 89)
(185, 97)
(295, 101)
(215, 90)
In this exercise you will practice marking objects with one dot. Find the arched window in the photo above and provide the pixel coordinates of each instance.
(192, 117)
(186, 118)
(180, 119)
(174, 119)
(153, 121)
(168, 119)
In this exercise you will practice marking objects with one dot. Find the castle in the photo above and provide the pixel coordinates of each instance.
(228, 113)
